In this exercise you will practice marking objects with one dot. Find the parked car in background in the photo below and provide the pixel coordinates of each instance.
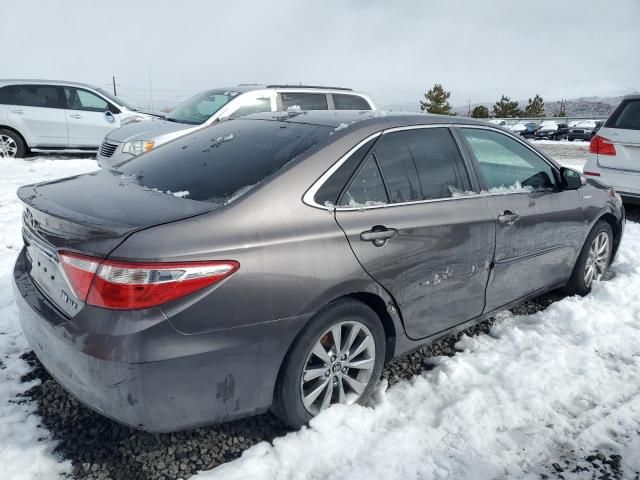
(552, 131)
(206, 108)
(614, 151)
(57, 116)
(502, 123)
(526, 130)
(584, 130)
(279, 260)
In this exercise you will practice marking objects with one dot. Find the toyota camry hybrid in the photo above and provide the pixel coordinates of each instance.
(277, 261)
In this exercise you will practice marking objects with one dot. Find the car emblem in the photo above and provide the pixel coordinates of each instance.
(29, 220)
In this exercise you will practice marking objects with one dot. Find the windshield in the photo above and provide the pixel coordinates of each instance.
(587, 124)
(119, 100)
(199, 108)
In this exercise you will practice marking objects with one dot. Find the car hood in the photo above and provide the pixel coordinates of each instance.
(149, 130)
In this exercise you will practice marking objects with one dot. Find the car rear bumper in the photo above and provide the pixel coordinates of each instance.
(155, 378)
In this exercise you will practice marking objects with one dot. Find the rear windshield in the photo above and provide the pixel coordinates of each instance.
(220, 163)
(626, 116)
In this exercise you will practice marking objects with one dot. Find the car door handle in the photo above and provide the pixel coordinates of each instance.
(75, 115)
(378, 235)
(508, 217)
(19, 112)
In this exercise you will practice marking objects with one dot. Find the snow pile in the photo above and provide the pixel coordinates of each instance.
(22, 455)
(507, 406)
(502, 190)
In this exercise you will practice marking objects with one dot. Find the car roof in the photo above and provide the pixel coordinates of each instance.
(344, 118)
(38, 81)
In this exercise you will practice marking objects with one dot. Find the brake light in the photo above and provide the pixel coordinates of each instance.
(132, 285)
(602, 146)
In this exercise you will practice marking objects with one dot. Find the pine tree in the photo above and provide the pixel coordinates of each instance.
(480, 112)
(535, 107)
(505, 108)
(437, 101)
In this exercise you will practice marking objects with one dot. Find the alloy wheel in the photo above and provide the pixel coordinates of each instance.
(597, 259)
(339, 366)
(8, 147)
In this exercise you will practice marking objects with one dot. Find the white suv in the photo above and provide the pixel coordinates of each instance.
(53, 116)
(614, 157)
(211, 106)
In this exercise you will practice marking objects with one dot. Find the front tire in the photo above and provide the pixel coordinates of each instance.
(593, 261)
(11, 145)
(338, 358)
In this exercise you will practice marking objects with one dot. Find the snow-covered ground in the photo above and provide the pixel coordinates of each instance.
(22, 455)
(562, 382)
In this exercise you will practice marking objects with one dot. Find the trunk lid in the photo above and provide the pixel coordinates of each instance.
(90, 214)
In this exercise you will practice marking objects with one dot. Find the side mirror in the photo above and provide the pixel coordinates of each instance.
(571, 179)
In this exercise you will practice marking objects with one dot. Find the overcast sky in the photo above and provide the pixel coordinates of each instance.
(394, 50)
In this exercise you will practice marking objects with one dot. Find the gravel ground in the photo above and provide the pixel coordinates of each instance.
(564, 151)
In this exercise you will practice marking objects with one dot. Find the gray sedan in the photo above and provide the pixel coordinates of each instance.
(279, 260)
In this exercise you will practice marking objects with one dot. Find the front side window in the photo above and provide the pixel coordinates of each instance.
(421, 164)
(367, 188)
(305, 101)
(78, 99)
(507, 164)
(252, 105)
(349, 102)
(199, 108)
(47, 96)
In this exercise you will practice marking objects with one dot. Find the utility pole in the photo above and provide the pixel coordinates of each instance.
(469, 112)
(115, 94)
(150, 88)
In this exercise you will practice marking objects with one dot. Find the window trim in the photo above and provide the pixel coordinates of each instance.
(463, 147)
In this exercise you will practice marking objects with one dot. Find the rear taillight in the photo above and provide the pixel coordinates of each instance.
(132, 285)
(601, 146)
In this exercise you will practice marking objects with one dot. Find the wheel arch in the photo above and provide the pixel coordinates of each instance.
(11, 129)
(616, 228)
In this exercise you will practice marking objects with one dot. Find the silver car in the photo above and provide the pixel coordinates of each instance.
(210, 106)
(52, 116)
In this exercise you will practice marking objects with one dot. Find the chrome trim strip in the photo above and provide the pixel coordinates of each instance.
(308, 197)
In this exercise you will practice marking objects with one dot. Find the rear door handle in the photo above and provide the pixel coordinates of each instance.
(508, 217)
(19, 112)
(378, 235)
(75, 115)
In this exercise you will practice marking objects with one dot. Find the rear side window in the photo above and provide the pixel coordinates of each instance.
(306, 101)
(367, 187)
(626, 116)
(221, 163)
(421, 164)
(350, 102)
(47, 96)
(331, 189)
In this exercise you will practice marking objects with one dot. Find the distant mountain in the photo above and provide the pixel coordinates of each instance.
(576, 107)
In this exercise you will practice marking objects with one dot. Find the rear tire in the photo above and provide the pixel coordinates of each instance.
(593, 261)
(11, 144)
(324, 368)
